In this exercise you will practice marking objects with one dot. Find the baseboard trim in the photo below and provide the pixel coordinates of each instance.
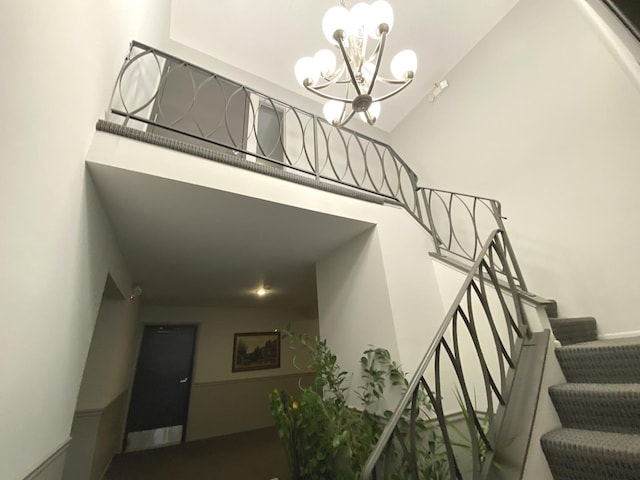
(619, 335)
(49, 460)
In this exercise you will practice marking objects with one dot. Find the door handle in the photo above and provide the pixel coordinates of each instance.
(184, 380)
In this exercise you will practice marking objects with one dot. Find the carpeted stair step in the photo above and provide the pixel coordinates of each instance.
(602, 361)
(587, 455)
(602, 407)
(574, 330)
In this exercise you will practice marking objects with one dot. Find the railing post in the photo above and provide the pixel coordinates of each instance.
(416, 201)
(497, 213)
(432, 227)
(315, 148)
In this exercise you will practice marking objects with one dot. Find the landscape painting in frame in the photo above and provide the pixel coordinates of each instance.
(256, 351)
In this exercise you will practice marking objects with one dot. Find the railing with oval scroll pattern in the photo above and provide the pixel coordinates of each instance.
(159, 93)
(460, 224)
(162, 94)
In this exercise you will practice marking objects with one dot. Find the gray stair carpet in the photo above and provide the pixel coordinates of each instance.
(602, 361)
(599, 407)
(574, 330)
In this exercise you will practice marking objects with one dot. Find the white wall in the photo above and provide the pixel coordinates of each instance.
(56, 242)
(353, 303)
(541, 116)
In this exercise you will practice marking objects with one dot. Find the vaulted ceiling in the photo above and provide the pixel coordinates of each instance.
(266, 38)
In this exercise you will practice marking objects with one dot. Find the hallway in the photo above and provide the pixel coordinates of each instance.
(253, 455)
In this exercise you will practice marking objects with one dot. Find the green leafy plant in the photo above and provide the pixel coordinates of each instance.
(325, 438)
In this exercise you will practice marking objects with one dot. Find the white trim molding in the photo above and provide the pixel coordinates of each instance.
(618, 335)
(41, 472)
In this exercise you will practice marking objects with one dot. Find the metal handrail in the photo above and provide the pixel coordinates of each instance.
(473, 287)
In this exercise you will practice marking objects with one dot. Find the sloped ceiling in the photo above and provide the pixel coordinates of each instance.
(190, 245)
(266, 38)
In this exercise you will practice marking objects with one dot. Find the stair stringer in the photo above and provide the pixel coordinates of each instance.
(519, 453)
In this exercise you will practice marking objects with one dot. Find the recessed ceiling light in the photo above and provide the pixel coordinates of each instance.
(261, 292)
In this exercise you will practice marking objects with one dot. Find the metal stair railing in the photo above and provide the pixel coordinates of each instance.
(479, 360)
(158, 93)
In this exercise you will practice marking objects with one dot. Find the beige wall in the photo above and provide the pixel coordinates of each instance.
(107, 373)
(96, 431)
(222, 401)
(541, 116)
(56, 241)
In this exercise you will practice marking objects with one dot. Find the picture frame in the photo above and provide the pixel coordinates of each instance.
(256, 351)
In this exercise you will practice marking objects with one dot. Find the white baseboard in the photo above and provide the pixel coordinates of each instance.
(616, 336)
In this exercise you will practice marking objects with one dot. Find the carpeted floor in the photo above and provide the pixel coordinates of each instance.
(254, 455)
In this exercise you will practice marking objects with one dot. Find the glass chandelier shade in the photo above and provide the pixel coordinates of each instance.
(359, 35)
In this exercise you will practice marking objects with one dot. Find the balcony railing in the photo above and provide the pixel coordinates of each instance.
(159, 93)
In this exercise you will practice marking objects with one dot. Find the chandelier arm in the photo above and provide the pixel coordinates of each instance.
(380, 47)
(326, 95)
(342, 122)
(328, 84)
(332, 78)
(398, 90)
(370, 120)
(348, 64)
(390, 81)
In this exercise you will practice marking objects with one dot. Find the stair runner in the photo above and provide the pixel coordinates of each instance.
(599, 406)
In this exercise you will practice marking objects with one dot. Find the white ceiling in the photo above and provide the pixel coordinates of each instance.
(191, 245)
(266, 38)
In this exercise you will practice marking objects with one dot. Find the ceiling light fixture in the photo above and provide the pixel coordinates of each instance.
(261, 292)
(349, 31)
(437, 90)
(136, 292)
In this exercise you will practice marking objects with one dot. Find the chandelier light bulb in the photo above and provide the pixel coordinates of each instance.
(306, 68)
(333, 111)
(336, 18)
(404, 62)
(359, 18)
(379, 12)
(325, 61)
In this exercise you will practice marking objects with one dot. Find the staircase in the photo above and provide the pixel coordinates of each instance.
(599, 406)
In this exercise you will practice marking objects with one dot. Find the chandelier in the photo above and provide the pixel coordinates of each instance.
(359, 34)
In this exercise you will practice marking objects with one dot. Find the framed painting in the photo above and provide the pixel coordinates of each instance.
(256, 351)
